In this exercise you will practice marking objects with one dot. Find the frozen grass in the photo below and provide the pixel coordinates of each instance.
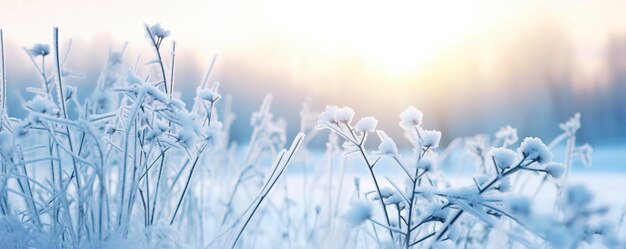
(132, 166)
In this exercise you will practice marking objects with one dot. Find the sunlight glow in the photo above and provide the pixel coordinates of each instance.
(398, 36)
(342, 41)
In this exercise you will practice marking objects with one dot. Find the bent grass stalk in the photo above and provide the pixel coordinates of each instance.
(277, 171)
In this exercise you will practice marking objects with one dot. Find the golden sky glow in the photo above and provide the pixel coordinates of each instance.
(446, 57)
(398, 39)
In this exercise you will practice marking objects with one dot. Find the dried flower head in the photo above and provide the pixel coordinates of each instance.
(41, 104)
(585, 151)
(366, 124)
(387, 146)
(326, 117)
(410, 118)
(502, 157)
(208, 95)
(572, 125)
(507, 134)
(430, 138)
(158, 31)
(555, 170)
(39, 49)
(534, 149)
(344, 114)
(578, 196)
(213, 135)
(426, 164)
(360, 211)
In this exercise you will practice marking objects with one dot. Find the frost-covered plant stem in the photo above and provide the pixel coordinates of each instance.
(59, 76)
(3, 74)
(277, 171)
(131, 120)
(414, 183)
(481, 190)
(3, 193)
(571, 143)
(199, 153)
(172, 69)
(62, 99)
(229, 203)
(330, 151)
(370, 168)
(182, 195)
(156, 44)
(351, 137)
(158, 184)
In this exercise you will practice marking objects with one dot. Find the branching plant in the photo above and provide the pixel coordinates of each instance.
(433, 213)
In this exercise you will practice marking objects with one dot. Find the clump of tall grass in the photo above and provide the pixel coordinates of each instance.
(132, 165)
